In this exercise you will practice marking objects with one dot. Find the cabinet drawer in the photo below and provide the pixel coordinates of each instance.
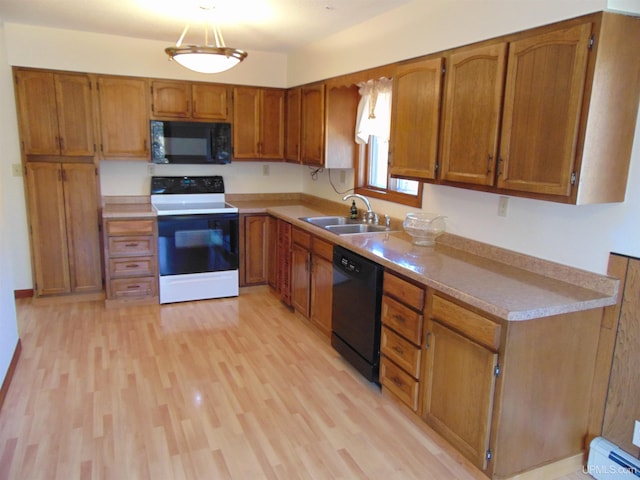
(402, 319)
(472, 325)
(400, 383)
(130, 227)
(131, 246)
(131, 266)
(407, 292)
(134, 287)
(301, 237)
(403, 353)
(323, 248)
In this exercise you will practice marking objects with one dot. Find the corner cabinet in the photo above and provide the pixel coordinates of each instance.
(55, 113)
(123, 106)
(415, 119)
(63, 215)
(258, 119)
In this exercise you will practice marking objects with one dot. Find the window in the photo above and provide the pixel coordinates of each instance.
(372, 133)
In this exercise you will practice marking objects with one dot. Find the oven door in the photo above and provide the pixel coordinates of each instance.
(197, 243)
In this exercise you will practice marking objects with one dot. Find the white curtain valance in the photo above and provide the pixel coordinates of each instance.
(374, 110)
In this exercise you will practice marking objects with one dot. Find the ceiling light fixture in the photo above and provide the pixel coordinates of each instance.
(206, 58)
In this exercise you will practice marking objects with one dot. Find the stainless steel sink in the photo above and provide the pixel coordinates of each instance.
(344, 225)
(356, 228)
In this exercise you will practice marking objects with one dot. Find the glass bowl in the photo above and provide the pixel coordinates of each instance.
(424, 228)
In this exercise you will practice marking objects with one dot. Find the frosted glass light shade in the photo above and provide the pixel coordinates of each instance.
(206, 59)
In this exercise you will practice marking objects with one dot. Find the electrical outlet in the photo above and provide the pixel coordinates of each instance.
(265, 170)
(636, 434)
(16, 169)
(503, 204)
(151, 169)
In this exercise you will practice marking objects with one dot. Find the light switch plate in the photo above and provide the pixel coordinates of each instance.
(636, 434)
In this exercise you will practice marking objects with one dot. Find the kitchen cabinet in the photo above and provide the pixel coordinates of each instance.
(272, 252)
(62, 200)
(563, 136)
(124, 118)
(321, 294)
(258, 119)
(312, 101)
(327, 125)
(189, 100)
(131, 260)
(292, 131)
(460, 373)
(300, 271)
(254, 244)
(55, 113)
(401, 338)
(474, 83)
(284, 261)
(415, 119)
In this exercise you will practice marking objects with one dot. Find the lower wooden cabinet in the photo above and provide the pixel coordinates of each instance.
(301, 271)
(401, 338)
(254, 241)
(321, 284)
(284, 261)
(64, 227)
(131, 260)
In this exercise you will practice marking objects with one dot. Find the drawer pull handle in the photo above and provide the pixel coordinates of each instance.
(133, 287)
(397, 349)
(397, 380)
(399, 318)
(132, 265)
(131, 244)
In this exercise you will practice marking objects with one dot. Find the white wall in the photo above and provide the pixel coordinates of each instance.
(8, 325)
(581, 236)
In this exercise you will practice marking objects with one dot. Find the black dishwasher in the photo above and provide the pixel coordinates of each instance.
(357, 292)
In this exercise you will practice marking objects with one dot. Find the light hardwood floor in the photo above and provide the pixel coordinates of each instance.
(235, 388)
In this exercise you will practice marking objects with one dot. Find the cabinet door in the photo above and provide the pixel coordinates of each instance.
(75, 114)
(415, 119)
(37, 113)
(272, 252)
(458, 391)
(284, 261)
(312, 125)
(83, 234)
(321, 293)
(474, 83)
(255, 245)
(292, 142)
(210, 102)
(48, 228)
(543, 99)
(124, 117)
(300, 279)
(246, 123)
(170, 99)
(272, 124)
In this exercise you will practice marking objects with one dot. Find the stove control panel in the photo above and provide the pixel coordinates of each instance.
(185, 185)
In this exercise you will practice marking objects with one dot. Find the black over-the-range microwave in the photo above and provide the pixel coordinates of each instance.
(191, 142)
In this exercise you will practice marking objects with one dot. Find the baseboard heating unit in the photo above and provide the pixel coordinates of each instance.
(609, 462)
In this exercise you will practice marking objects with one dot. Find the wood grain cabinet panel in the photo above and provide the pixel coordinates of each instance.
(124, 117)
(415, 119)
(292, 130)
(210, 101)
(399, 383)
(312, 124)
(254, 244)
(55, 113)
(189, 100)
(258, 119)
(474, 84)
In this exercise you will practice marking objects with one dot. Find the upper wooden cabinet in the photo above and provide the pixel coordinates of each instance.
(124, 117)
(415, 119)
(543, 99)
(292, 131)
(188, 100)
(55, 113)
(564, 135)
(474, 84)
(258, 119)
(312, 124)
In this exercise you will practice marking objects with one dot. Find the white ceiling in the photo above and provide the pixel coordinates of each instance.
(262, 25)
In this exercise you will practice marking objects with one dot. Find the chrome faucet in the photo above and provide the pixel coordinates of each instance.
(371, 216)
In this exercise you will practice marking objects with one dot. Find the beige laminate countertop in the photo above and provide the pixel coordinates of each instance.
(502, 283)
